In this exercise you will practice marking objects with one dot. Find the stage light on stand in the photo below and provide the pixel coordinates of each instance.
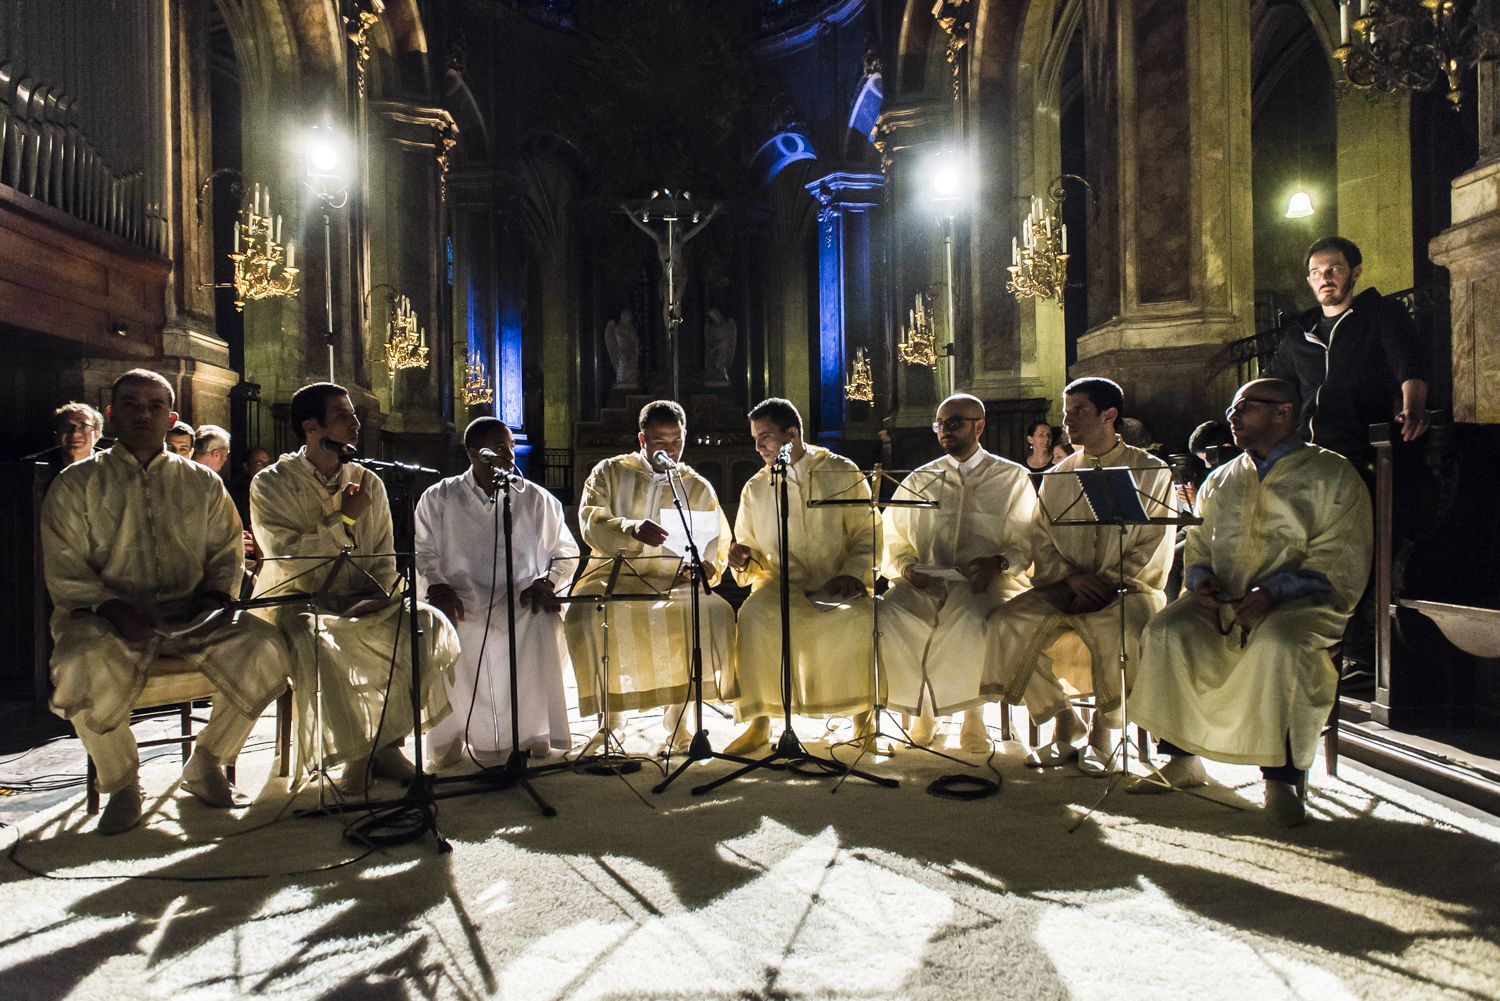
(947, 179)
(324, 164)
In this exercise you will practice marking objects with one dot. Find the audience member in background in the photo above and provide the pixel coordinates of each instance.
(255, 460)
(1210, 435)
(180, 439)
(211, 447)
(78, 427)
(1062, 445)
(1040, 458)
(1133, 433)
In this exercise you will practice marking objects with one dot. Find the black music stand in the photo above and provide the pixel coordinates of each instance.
(789, 752)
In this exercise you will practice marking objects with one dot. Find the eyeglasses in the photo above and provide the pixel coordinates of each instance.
(952, 424)
(1240, 403)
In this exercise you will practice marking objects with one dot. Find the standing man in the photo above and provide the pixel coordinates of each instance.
(211, 447)
(312, 507)
(626, 510)
(1237, 669)
(932, 636)
(140, 546)
(461, 559)
(830, 551)
(1076, 585)
(180, 439)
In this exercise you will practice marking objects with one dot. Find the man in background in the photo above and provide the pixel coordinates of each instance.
(180, 439)
(211, 447)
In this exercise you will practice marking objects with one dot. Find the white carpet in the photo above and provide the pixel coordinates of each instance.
(768, 888)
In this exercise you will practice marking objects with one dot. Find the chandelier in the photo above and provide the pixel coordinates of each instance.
(1414, 44)
(258, 255)
(918, 344)
(407, 345)
(860, 387)
(477, 391)
(1039, 260)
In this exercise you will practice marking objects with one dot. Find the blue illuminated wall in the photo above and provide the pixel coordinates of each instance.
(849, 305)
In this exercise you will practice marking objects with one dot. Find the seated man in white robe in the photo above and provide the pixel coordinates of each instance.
(139, 544)
(1076, 583)
(461, 563)
(932, 630)
(830, 551)
(626, 509)
(1238, 669)
(306, 509)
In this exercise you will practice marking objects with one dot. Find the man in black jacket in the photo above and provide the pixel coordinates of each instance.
(1357, 360)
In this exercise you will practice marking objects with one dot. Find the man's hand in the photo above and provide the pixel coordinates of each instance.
(1090, 592)
(132, 623)
(213, 600)
(649, 533)
(1210, 593)
(539, 597)
(1253, 607)
(357, 499)
(916, 578)
(1413, 415)
(739, 556)
(1187, 494)
(446, 600)
(252, 548)
(983, 570)
(844, 587)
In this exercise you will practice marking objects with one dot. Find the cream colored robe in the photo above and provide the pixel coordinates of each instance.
(294, 512)
(1027, 625)
(155, 536)
(650, 644)
(1199, 689)
(830, 640)
(461, 542)
(932, 639)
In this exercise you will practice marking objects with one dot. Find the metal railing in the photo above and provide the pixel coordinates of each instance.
(557, 473)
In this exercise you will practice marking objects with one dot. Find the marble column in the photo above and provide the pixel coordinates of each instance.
(1171, 272)
(1470, 250)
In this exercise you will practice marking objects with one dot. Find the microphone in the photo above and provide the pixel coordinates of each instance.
(346, 453)
(785, 455)
(662, 459)
(509, 477)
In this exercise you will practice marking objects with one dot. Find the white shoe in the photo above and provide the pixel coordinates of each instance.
(974, 736)
(1095, 762)
(1048, 755)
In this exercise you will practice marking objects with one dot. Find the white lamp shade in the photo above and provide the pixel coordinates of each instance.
(1300, 207)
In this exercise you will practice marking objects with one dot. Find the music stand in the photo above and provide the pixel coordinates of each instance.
(789, 751)
(1110, 496)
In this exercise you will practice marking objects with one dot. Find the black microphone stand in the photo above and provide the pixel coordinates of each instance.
(700, 749)
(789, 752)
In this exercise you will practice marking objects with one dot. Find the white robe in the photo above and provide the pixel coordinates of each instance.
(154, 536)
(365, 704)
(650, 643)
(1200, 689)
(1017, 669)
(831, 641)
(932, 639)
(461, 543)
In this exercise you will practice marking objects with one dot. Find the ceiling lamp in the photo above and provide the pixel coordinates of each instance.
(1300, 207)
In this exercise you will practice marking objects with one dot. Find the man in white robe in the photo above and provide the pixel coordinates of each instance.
(932, 630)
(830, 549)
(138, 544)
(1076, 580)
(626, 509)
(461, 564)
(1285, 544)
(306, 509)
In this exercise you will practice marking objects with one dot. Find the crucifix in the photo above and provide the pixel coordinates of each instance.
(677, 211)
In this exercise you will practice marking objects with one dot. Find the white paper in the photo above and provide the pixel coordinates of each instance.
(177, 630)
(942, 573)
(705, 526)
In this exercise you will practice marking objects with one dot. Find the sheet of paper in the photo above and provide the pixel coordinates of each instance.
(942, 573)
(177, 630)
(705, 526)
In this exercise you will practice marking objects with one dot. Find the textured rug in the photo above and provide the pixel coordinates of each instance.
(770, 887)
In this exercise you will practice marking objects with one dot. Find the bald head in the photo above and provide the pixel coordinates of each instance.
(959, 425)
(1264, 413)
(961, 405)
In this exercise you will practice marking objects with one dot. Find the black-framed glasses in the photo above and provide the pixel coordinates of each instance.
(1240, 403)
(952, 424)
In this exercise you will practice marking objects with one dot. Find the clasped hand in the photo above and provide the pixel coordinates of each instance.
(1248, 610)
(137, 623)
(1091, 592)
(538, 597)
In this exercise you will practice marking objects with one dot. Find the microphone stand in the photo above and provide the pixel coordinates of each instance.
(700, 749)
(789, 752)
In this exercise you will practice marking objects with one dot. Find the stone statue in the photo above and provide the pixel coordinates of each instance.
(624, 350)
(719, 336)
(673, 270)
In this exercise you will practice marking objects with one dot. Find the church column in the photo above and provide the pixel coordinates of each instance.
(1470, 250)
(850, 300)
(1171, 266)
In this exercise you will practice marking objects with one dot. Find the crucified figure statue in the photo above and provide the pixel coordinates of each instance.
(670, 239)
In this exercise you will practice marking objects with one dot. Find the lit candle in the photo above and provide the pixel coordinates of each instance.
(236, 238)
(1344, 22)
(267, 212)
(278, 229)
(257, 199)
(1015, 252)
(291, 256)
(1049, 225)
(1065, 238)
(1364, 8)
(422, 337)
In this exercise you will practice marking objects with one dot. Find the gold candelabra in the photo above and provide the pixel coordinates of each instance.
(258, 254)
(861, 386)
(918, 345)
(1039, 259)
(407, 345)
(1414, 44)
(477, 389)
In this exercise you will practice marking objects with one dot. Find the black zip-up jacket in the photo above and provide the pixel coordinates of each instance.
(1355, 380)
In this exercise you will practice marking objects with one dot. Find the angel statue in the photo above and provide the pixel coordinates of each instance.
(624, 350)
(670, 240)
(719, 335)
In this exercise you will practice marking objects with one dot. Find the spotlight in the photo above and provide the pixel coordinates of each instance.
(1300, 207)
(947, 177)
(324, 157)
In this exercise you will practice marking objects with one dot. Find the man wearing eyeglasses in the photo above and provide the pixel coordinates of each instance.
(932, 637)
(1237, 669)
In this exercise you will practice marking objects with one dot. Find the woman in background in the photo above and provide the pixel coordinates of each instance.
(1041, 457)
